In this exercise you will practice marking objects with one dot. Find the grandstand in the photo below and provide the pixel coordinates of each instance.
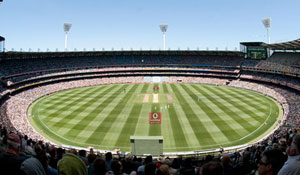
(28, 76)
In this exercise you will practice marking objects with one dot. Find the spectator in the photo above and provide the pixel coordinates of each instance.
(163, 170)
(128, 165)
(24, 142)
(187, 168)
(169, 163)
(82, 156)
(271, 162)
(176, 164)
(32, 166)
(71, 164)
(150, 169)
(60, 152)
(138, 162)
(28, 148)
(91, 158)
(10, 161)
(53, 157)
(108, 160)
(116, 167)
(292, 165)
(227, 165)
(100, 167)
(44, 160)
(141, 169)
(212, 168)
(245, 167)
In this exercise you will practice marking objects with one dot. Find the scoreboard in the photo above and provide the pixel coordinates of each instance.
(254, 50)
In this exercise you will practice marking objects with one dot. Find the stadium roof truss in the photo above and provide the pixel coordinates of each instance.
(290, 45)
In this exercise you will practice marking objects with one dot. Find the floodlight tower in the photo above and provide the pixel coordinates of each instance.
(267, 24)
(163, 28)
(67, 27)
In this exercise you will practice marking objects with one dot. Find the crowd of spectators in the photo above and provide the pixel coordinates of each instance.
(286, 58)
(17, 66)
(279, 61)
(249, 63)
(203, 80)
(277, 67)
(233, 61)
(283, 80)
(80, 72)
(21, 155)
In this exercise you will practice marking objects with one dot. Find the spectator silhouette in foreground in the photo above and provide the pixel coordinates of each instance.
(227, 165)
(150, 169)
(212, 168)
(163, 170)
(271, 162)
(246, 166)
(108, 160)
(188, 168)
(71, 164)
(100, 167)
(32, 166)
(10, 160)
(91, 163)
(292, 165)
(116, 168)
(141, 169)
(129, 166)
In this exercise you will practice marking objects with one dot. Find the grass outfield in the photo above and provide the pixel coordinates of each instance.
(194, 116)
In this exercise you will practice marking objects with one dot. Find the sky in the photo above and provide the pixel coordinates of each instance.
(134, 24)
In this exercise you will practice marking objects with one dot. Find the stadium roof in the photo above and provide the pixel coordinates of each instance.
(252, 43)
(290, 45)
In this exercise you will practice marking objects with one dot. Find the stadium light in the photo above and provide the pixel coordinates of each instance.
(163, 28)
(67, 27)
(267, 24)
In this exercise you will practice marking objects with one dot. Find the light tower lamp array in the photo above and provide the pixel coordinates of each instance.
(163, 28)
(67, 27)
(267, 24)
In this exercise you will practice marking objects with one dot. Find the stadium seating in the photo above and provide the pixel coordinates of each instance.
(281, 61)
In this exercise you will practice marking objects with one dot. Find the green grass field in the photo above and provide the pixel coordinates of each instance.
(194, 116)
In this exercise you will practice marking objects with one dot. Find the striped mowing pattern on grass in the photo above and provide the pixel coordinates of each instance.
(198, 116)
